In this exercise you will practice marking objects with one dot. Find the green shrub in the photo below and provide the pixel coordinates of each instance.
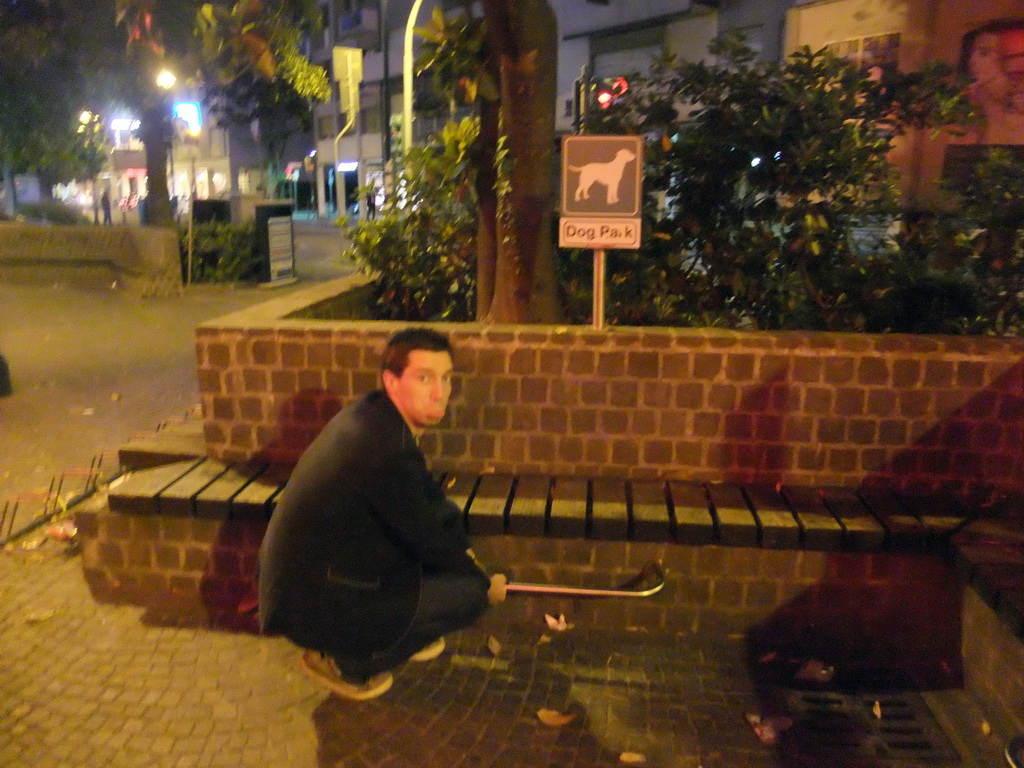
(423, 252)
(772, 205)
(221, 253)
(52, 212)
(776, 194)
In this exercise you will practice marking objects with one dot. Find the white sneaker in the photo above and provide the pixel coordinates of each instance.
(429, 652)
(323, 671)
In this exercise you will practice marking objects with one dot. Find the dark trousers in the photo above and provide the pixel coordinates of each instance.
(447, 602)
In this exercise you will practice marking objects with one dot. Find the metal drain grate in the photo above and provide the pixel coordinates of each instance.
(897, 728)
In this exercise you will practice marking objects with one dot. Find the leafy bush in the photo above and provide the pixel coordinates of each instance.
(994, 204)
(221, 252)
(421, 246)
(777, 195)
(52, 212)
(770, 205)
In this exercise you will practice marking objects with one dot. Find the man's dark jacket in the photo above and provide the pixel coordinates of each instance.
(359, 522)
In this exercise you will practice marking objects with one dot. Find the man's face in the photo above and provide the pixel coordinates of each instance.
(421, 393)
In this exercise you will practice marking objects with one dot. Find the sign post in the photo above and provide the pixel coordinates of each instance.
(601, 198)
(348, 71)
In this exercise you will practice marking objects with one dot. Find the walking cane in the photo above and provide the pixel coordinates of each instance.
(647, 582)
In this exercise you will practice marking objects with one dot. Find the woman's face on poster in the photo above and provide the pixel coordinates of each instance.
(986, 67)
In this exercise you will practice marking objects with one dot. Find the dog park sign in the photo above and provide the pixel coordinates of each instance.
(601, 198)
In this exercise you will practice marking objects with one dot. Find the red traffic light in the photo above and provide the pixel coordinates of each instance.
(610, 89)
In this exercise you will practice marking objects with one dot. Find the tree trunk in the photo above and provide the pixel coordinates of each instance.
(487, 201)
(155, 134)
(523, 33)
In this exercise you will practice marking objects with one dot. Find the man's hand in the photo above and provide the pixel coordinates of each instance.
(476, 560)
(496, 594)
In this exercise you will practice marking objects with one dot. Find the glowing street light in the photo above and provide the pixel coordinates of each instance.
(166, 79)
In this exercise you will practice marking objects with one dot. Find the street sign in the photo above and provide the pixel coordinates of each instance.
(575, 232)
(348, 71)
(601, 176)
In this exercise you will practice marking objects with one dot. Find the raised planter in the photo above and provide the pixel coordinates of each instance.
(801, 408)
(143, 260)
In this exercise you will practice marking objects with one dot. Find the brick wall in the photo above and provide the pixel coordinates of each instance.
(801, 408)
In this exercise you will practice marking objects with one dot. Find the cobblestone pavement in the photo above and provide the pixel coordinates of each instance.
(85, 684)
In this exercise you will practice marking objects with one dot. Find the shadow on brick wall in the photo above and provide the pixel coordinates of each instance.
(983, 438)
(297, 423)
(753, 448)
(228, 586)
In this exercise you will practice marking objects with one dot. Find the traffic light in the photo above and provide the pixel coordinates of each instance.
(588, 93)
(609, 89)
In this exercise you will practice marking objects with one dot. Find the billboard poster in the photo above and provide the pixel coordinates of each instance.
(992, 55)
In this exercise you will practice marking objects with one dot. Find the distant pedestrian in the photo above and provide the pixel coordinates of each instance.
(371, 204)
(105, 203)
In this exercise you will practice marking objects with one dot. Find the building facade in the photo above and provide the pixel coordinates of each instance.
(985, 40)
(619, 37)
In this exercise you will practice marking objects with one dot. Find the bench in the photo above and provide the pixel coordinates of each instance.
(857, 577)
(600, 509)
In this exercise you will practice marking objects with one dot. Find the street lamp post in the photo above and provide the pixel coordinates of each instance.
(385, 90)
(407, 81)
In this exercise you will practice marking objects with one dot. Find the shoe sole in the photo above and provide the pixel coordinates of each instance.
(345, 690)
(1014, 752)
(432, 651)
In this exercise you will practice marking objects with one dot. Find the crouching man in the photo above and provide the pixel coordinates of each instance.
(365, 563)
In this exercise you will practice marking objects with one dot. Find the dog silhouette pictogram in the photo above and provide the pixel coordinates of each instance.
(608, 174)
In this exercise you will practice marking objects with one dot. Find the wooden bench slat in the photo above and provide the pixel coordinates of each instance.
(609, 512)
(694, 521)
(177, 498)
(137, 493)
(863, 531)
(736, 523)
(568, 508)
(903, 528)
(821, 530)
(651, 519)
(528, 512)
(459, 488)
(779, 528)
(940, 512)
(256, 500)
(214, 501)
(487, 509)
